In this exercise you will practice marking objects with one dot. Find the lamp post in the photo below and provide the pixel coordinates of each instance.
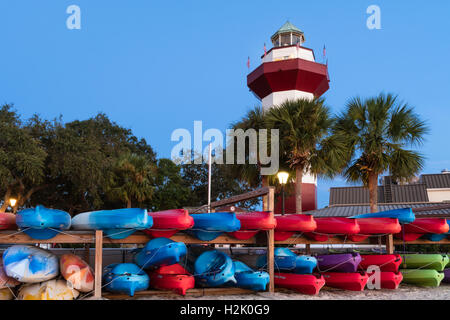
(13, 202)
(282, 178)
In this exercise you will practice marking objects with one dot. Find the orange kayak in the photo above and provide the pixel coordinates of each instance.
(77, 272)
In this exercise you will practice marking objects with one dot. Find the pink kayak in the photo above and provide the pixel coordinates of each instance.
(7, 221)
(167, 223)
(289, 224)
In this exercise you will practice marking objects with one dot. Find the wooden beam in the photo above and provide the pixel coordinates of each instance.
(190, 292)
(12, 237)
(270, 241)
(98, 263)
(242, 197)
(390, 244)
(421, 241)
(297, 239)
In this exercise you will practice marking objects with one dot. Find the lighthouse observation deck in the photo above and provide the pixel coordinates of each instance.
(288, 52)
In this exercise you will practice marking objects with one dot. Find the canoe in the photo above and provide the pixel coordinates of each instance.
(290, 224)
(425, 261)
(7, 221)
(30, 264)
(446, 276)
(247, 278)
(208, 226)
(6, 294)
(287, 261)
(173, 277)
(386, 262)
(329, 227)
(422, 277)
(252, 223)
(5, 281)
(213, 269)
(386, 280)
(375, 226)
(117, 224)
(167, 223)
(48, 290)
(404, 215)
(43, 223)
(347, 281)
(125, 278)
(77, 272)
(438, 237)
(303, 283)
(342, 262)
(422, 226)
(160, 252)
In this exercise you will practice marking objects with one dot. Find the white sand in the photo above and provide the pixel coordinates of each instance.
(405, 292)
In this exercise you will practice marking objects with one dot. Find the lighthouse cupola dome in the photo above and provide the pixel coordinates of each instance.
(288, 35)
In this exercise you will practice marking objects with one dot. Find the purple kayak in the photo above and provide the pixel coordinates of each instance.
(447, 276)
(343, 262)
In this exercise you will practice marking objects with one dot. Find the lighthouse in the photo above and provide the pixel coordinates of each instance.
(289, 71)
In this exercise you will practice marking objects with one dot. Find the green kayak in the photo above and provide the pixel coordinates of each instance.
(424, 261)
(422, 277)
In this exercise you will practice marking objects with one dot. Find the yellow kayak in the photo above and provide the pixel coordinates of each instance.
(6, 294)
(48, 290)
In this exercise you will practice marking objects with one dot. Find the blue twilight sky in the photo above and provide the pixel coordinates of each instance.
(156, 66)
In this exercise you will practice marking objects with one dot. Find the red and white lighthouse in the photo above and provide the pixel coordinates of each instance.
(288, 72)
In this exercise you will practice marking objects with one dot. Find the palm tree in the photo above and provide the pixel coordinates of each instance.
(131, 179)
(306, 142)
(378, 130)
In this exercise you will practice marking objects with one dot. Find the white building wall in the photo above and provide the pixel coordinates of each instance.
(278, 54)
(279, 97)
(438, 195)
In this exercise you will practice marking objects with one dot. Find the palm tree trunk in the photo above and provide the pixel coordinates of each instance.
(265, 183)
(298, 189)
(373, 192)
(129, 203)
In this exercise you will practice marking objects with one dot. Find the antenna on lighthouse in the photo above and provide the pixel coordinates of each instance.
(209, 178)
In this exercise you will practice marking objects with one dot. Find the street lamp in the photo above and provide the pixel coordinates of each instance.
(282, 178)
(12, 202)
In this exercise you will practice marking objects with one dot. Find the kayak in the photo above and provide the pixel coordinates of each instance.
(7, 221)
(77, 272)
(329, 227)
(160, 252)
(117, 224)
(167, 223)
(343, 262)
(173, 277)
(387, 280)
(422, 277)
(303, 283)
(208, 226)
(48, 290)
(425, 261)
(286, 260)
(247, 278)
(438, 237)
(5, 281)
(6, 294)
(404, 215)
(252, 223)
(43, 223)
(125, 278)
(288, 225)
(386, 262)
(446, 276)
(347, 281)
(422, 226)
(213, 269)
(375, 226)
(30, 264)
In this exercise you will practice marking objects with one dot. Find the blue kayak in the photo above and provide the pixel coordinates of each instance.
(160, 252)
(214, 269)
(208, 226)
(249, 279)
(117, 224)
(42, 223)
(125, 278)
(30, 264)
(404, 215)
(287, 261)
(437, 237)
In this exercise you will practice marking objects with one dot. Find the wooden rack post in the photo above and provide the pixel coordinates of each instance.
(98, 263)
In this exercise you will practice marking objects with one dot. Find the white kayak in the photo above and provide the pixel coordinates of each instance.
(48, 290)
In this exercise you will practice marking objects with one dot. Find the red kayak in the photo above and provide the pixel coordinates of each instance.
(375, 226)
(347, 281)
(303, 283)
(173, 277)
(388, 280)
(421, 226)
(252, 223)
(7, 221)
(329, 227)
(290, 224)
(167, 223)
(386, 262)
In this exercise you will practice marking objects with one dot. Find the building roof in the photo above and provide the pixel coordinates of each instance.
(287, 27)
(419, 209)
(412, 193)
(434, 181)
